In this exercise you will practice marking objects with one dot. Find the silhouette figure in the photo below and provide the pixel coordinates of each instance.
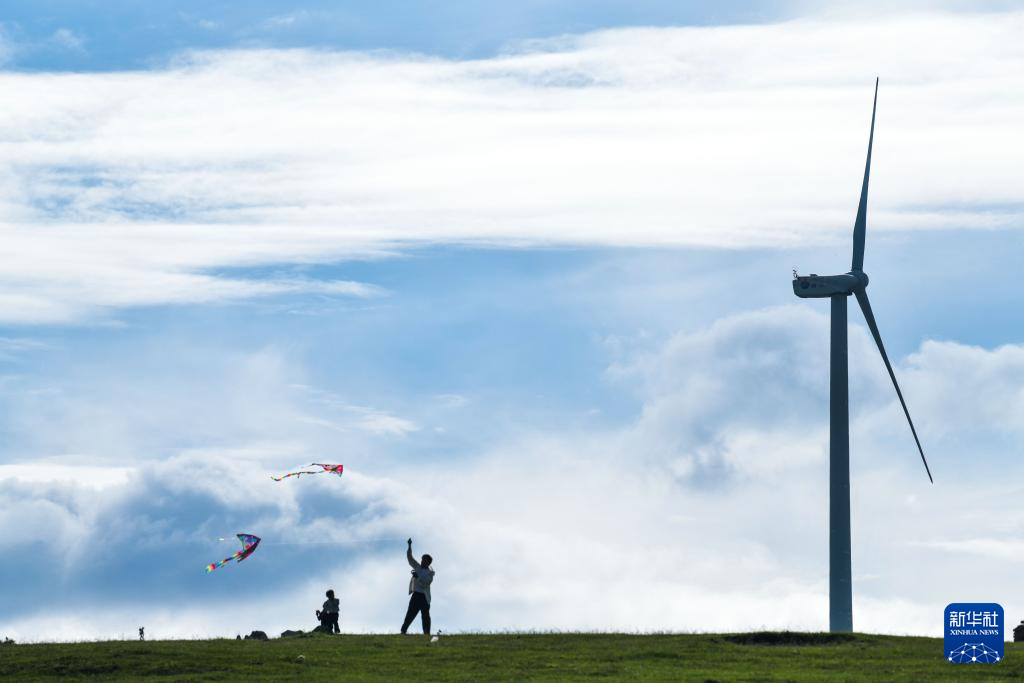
(328, 616)
(419, 590)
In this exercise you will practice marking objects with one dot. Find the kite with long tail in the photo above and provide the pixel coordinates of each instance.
(329, 469)
(249, 543)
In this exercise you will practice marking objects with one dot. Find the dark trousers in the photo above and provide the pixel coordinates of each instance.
(417, 603)
(329, 623)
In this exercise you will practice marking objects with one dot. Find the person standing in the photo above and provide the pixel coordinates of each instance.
(419, 590)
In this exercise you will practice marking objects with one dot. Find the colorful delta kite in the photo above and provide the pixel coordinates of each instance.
(249, 543)
(330, 469)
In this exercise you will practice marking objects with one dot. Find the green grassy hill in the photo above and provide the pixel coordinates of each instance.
(506, 657)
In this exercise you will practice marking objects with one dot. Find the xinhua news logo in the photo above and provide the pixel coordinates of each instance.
(974, 633)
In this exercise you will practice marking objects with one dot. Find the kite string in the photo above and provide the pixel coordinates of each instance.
(347, 541)
(340, 541)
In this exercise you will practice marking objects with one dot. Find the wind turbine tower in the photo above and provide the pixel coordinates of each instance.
(838, 288)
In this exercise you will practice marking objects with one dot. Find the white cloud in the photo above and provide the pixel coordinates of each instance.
(965, 388)
(138, 189)
(1004, 549)
(41, 471)
(705, 512)
(12, 347)
(289, 20)
(162, 621)
(451, 400)
(255, 406)
(342, 415)
(67, 38)
(59, 274)
(709, 511)
(382, 423)
(130, 188)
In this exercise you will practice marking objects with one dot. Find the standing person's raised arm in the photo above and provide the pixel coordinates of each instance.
(408, 555)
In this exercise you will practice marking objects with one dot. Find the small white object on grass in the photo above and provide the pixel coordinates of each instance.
(300, 658)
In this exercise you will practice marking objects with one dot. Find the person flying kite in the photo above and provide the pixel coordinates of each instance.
(329, 469)
(249, 543)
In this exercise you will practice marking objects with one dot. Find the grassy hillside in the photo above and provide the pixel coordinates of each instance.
(744, 657)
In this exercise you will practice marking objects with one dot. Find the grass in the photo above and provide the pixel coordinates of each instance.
(507, 657)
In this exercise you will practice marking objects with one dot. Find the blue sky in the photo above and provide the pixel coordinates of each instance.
(112, 35)
(527, 276)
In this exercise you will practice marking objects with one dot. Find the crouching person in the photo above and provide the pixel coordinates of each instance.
(328, 616)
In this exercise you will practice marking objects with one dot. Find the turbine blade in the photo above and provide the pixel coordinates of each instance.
(860, 225)
(865, 306)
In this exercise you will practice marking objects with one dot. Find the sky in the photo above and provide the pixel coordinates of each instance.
(527, 274)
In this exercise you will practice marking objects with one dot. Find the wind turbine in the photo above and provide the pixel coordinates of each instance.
(837, 288)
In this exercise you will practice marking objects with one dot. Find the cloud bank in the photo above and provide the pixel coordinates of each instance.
(140, 188)
(224, 176)
(704, 511)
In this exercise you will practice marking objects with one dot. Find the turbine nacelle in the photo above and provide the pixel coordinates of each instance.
(822, 286)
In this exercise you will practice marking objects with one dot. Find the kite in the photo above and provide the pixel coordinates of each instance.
(331, 469)
(249, 543)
